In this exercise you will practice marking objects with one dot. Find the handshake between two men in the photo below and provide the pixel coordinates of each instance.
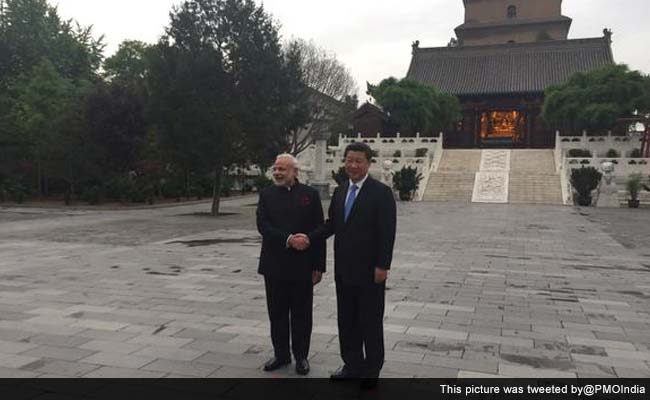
(299, 241)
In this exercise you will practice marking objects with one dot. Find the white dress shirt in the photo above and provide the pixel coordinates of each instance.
(359, 186)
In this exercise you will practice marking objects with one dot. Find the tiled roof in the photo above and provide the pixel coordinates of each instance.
(508, 68)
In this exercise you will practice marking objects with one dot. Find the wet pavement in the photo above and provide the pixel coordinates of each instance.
(475, 291)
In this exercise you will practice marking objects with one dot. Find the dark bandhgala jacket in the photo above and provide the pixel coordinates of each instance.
(282, 212)
(367, 239)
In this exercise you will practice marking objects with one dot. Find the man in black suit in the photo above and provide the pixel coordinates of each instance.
(362, 216)
(290, 270)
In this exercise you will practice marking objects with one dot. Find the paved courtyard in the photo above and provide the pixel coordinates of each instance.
(475, 291)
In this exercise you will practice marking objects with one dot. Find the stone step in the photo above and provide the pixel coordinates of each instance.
(449, 186)
(535, 161)
(532, 177)
(535, 188)
(460, 161)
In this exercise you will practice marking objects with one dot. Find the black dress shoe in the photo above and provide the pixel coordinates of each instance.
(344, 373)
(276, 363)
(369, 383)
(302, 366)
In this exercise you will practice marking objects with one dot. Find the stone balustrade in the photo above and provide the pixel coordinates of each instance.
(623, 166)
(599, 145)
(387, 146)
(387, 149)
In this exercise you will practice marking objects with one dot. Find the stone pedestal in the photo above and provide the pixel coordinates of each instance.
(323, 190)
(387, 173)
(320, 178)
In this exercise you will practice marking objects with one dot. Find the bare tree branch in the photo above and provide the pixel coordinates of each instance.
(323, 72)
(329, 83)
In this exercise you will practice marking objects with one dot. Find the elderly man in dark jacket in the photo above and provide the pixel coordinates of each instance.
(291, 266)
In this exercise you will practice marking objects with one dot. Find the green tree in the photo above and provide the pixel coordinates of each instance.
(218, 87)
(340, 123)
(416, 107)
(595, 100)
(248, 40)
(189, 90)
(33, 30)
(45, 66)
(130, 63)
(298, 113)
(117, 122)
(114, 116)
(45, 117)
(188, 105)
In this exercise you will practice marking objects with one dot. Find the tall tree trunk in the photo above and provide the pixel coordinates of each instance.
(294, 145)
(70, 190)
(187, 185)
(39, 177)
(46, 185)
(216, 190)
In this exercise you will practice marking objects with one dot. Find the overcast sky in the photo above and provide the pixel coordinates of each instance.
(371, 37)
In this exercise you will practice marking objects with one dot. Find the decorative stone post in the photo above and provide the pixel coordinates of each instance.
(321, 181)
(387, 173)
(608, 191)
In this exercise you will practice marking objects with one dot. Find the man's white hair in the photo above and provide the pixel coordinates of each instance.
(294, 160)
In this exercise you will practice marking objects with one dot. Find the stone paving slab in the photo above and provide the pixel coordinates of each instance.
(477, 290)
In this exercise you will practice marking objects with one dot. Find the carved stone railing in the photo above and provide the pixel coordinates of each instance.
(623, 166)
(386, 149)
(386, 146)
(565, 182)
(435, 163)
(599, 145)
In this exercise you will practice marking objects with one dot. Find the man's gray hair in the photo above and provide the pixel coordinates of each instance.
(288, 156)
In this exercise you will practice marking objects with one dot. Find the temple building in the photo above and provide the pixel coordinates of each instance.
(505, 54)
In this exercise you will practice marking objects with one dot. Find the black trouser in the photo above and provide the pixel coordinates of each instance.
(361, 326)
(290, 309)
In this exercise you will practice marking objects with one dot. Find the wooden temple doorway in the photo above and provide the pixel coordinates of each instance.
(502, 128)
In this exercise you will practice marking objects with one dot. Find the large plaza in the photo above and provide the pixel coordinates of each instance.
(476, 290)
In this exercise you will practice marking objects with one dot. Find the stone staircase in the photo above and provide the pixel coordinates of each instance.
(454, 180)
(535, 189)
(533, 179)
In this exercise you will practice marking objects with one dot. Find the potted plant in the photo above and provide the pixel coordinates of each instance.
(634, 186)
(406, 181)
(584, 181)
(262, 181)
(579, 153)
(636, 153)
(340, 176)
(612, 153)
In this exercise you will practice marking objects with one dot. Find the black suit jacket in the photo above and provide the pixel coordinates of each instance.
(366, 240)
(280, 213)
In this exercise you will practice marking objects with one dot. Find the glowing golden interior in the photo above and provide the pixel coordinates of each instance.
(502, 124)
